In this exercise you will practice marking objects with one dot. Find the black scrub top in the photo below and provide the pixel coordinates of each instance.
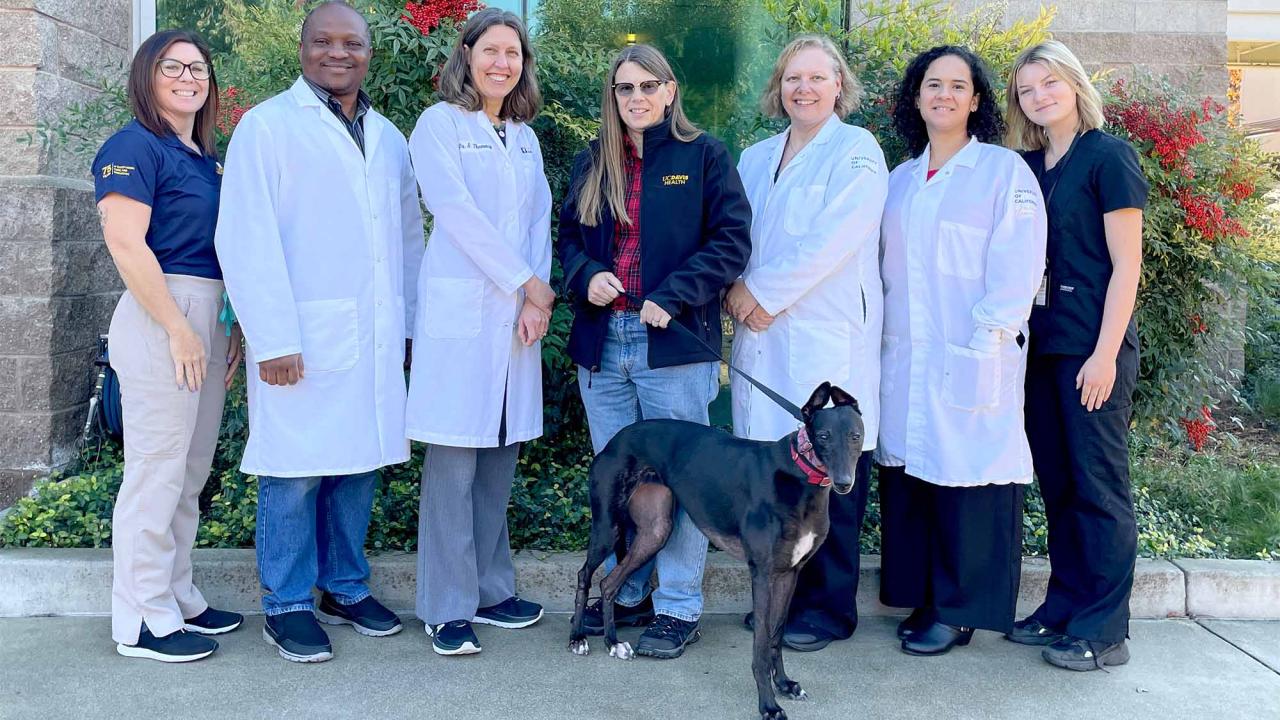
(180, 185)
(1100, 175)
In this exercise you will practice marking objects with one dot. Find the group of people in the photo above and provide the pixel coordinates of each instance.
(977, 301)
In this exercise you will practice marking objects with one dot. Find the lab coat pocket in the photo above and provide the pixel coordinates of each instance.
(803, 205)
(819, 351)
(970, 379)
(330, 334)
(961, 250)
(452, 307)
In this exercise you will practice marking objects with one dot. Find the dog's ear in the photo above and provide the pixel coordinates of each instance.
(817, 400)
(840, 397)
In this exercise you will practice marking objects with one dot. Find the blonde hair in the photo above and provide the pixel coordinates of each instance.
(850, 89)
(605, 180)
(1023, 134)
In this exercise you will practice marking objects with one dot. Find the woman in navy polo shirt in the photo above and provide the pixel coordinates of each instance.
(1084, 356)
(157, 183)
(656, 210)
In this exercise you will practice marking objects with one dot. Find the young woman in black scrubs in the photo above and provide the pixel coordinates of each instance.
(1084, 357)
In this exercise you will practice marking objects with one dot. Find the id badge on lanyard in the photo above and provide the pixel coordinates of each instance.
(1046, 282)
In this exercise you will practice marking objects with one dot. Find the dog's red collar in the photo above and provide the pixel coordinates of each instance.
(806, 459)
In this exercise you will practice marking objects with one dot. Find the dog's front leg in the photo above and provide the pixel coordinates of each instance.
(782, 587)
(761, 656)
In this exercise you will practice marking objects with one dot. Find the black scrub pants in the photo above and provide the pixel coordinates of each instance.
(957, 550)
(1082, 463)
(827, 590)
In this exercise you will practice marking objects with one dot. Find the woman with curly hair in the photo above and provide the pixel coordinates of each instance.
(962, 253)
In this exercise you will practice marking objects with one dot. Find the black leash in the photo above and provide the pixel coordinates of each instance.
(782, 402)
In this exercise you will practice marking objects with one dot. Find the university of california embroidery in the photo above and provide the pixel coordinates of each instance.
(675, 179)
(123, 170)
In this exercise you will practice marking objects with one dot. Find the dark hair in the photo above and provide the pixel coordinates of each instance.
(306, 21)
(525, 99)
(142, 94)
(985, 123)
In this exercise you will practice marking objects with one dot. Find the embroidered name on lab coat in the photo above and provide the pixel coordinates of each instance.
(862, 162)
(526, 151)
(468, 146)
(123, 170)
(1025, 203)
(675, 179)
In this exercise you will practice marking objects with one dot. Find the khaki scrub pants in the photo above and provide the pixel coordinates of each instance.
(170, 434)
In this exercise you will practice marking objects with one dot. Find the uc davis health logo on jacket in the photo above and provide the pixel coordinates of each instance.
(675, 179)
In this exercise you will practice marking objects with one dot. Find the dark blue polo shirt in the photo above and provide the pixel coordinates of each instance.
(1101, 174)
(180, 185)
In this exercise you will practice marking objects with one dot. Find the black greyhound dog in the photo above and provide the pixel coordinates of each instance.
(762, 502)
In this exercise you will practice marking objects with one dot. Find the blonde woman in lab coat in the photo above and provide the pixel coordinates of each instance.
(962, 254)
(475, 392)
(809, 305)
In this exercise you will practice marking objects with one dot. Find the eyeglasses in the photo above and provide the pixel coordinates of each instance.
(648, 87)
(173, 69)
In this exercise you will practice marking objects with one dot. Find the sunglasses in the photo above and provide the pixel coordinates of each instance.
(648, 87)
(173, 69)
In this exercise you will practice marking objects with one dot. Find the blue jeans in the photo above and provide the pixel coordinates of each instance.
(626, 390)
(310, 533)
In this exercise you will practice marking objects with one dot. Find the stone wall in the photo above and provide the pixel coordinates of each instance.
(57, 282)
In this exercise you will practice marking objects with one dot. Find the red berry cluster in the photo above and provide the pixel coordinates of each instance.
(1171, 132)
(1198, 428)
(231, 108)
(1207, 217)
(426, 16)
(1197, 325)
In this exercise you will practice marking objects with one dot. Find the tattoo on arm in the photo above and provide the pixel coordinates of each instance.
(102, 216)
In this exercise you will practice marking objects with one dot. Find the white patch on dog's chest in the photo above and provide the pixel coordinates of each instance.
(802, 547)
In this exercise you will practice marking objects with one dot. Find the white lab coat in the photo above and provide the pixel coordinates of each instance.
(492, 210)
(962, 256)
(815, 265)
(320, 247)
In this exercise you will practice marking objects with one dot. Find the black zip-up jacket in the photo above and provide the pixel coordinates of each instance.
(695, 240)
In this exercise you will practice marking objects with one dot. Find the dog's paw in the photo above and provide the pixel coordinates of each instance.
(622, 651)
(777, 714)
(579, 647)
(792, 690)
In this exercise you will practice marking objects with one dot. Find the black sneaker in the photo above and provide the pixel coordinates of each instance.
(454, 638)
(797, 634)
(213, 622)
(511, 613)
(666, 637)
(1031, 632)
(368, 617)
(298, 637)
(623, 616)
(177, 647)
(1083, 655)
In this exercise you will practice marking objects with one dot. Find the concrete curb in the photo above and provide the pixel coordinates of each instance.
(37, 582)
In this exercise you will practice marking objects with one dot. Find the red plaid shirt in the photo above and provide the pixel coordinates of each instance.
(626, 238)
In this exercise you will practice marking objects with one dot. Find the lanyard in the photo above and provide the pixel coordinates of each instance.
(1061, 167)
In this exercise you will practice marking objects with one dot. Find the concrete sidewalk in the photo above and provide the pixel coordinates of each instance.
(67, 667)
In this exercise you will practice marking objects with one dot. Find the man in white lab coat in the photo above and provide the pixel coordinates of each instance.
(320, 237)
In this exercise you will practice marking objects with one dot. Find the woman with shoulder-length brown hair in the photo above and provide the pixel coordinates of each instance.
(475, 391)
(157, 183)
(655, 227)
(1084, 356)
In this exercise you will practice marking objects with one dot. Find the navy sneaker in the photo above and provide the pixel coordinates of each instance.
(666, 637)
(213, 622)
(1031, 632)
(177, 647)
(453, 638)
(368, 617)
(1084, 655)
(298, 637)
(511, 613)
(623, 616)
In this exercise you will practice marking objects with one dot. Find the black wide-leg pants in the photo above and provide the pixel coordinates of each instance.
(957, 550)
(1082, 464)
(827, 589)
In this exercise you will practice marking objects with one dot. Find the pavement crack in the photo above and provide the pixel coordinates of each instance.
(1237, 646)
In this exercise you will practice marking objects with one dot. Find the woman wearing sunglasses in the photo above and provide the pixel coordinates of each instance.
(157, 184)
(655, 226)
